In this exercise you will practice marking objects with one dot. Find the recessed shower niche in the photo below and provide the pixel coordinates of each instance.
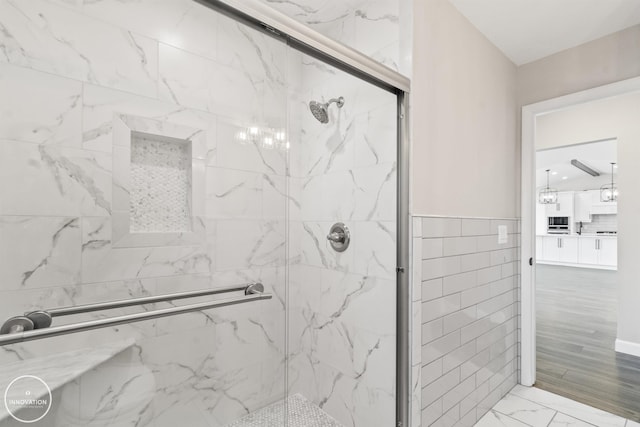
(158, 183)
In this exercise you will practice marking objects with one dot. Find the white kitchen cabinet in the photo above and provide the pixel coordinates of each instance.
(598, 251)
(568, 250)
(564, 207)
(588, 250)
(601, 208)
(582, 206)
(608, 252)
(559, 249)
(608, 209)
(550, 249)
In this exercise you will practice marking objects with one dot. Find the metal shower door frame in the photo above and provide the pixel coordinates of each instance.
(304, 39)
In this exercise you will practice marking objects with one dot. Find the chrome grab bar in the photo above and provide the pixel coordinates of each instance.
(78, 309)
(20, 329)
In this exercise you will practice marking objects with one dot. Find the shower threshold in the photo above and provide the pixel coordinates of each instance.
(300, 412)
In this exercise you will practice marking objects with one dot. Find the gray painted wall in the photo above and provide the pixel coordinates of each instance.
(463, 118)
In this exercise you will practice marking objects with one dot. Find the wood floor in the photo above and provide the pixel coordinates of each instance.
(576, 330)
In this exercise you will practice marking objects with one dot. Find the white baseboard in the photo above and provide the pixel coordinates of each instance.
(570, 264)
(628, 347)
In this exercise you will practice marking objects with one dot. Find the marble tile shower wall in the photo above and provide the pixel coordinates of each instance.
(466, 298)
(67, 68)
(377, 28)
(342, 305)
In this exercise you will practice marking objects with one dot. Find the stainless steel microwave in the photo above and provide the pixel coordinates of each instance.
(558, 220)
(558, 225)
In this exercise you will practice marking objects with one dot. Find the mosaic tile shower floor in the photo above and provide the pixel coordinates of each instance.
(301, 412)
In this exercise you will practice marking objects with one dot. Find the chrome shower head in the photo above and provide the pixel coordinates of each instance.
(321, 111)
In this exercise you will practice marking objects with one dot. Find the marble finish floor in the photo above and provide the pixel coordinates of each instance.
(300, 411)
(533, 407)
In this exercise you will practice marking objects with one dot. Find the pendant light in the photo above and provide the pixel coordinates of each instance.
(609, 192)
(548, 195)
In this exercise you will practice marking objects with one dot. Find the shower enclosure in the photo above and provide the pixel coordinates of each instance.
(203, 220)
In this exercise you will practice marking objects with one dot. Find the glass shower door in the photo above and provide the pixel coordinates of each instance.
(341, 306)
(142, 153)
(158, 160)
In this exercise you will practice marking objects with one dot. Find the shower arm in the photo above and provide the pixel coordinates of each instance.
(338, 101)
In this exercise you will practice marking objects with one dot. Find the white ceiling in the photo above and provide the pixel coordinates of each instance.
(526, 30)
(597, 155)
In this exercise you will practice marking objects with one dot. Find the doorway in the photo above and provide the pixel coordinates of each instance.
(574, 303)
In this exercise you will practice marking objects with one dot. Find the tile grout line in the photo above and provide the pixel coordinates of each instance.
(552, 418)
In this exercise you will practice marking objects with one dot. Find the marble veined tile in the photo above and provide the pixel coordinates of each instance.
(233, 152)
(118, 392)
(375, 243)
(360, 302)
(569, 407)
(354, 403)
(335, 19)
(58, 369)
(496, 419)
(359, 96)
(39, 107)
(72, 4)
(345, 348)
(219, 391)
(328, 197)
(328, 147)
(277, 195)
(233, 194)
(376, 195)
(312, 248)
(524, 410)
(196, 82)
(47, 37)
(391, 56)
(376, 23)
(39, 251)
(376, 136)
(184, 78)
(184, 413)
(102, 262)
(251, 51)
(101, 104)
(51, 180)
(563, 420)
(185, 24)
(246, 244)
(309, 10)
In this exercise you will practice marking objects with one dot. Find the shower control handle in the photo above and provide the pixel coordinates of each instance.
(336, 236)
(339, 237)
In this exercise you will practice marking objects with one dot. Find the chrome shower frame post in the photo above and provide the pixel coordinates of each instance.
(302, 38)
(403, 272)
